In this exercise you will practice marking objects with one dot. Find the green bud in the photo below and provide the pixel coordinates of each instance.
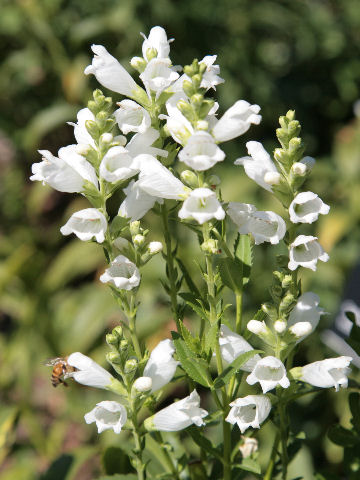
(287, 302)
(282, 156)
(187, 110)
(210, 246)
(139, 240)
(270, 311)
(112, 340)
(197, 100)
(278, 275)
(124, 345)
(99, 97)
(192, 69)
(138, 63)
(202, 68)
(290, 115)
(205, 108)
(114, 357)
(190, 178)
(151, 53)
(118, 331)
(287, 281)
(135, 228)
(130, 365)
(188, 88)
(101, 118)
(276, 291)
(92, 107)
(92, 128)
(196, 80)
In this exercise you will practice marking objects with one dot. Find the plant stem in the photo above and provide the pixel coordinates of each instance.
(239, 301)
(140, 468)
(170, 464)
(131, 314)
(283, 431)
(171, 272)
(269, 470)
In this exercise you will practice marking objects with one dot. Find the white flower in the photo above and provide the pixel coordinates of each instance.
(202, 205)
(88, 372)
(306, 208)
(331, 372)
(178, 415)
(155, 247)
(81, 134)
(249, 447)
(107, 415)
(233, 345)
(117, 165)
(240, 213)
(306, 310)
(298, 168)
(143, 384)
(158, 75)
(256, 327)
(258, 164)
(110, 73)
(122, 273)
(157, 39)
(305, 251)
(161, 366)
(249, 411)
(269, 372)
(301, 329)
(272, 178)
(157, 180)
(131, 117)
(66, 173)
(137, 202)
(86, 224)
(179, 126)
(141, 143)
(280, 326)
(201, 152)
(236, 121)
(211, 76)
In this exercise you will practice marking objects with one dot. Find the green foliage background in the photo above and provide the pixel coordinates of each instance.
(296, 54)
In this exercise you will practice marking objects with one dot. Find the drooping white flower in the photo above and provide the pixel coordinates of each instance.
(306, 208)
(157, 39)
(178, 415)
(81, 134)
(141, 143)
(143, 384)
(249, 411)
(236, 121)
(137, 202)
(178, 125)
(107, 415)
(331, 372)
(117, 165)
(306, 310)
(202, 205)
(211, 76)
(161, 366)
(258, 164)
(122, 273)
(269, 372)
(110, 73)
(86, 224)
(305, 251)
(233, 345)
(89, 372)
(66, 173)
(132, 117)
(158, 75)
(240, 213)
(201, 152)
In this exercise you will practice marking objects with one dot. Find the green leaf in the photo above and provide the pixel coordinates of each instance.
(195, 367)
(191, 300)
(342, 436)
(249, 465)
(203, 442)
(59, 469)
(189, 282)
(231, 274)
(243, 251)
(115, 460)
(192, 342)
(234, 366)
(354, 404)
(211, 338)
(119, 476)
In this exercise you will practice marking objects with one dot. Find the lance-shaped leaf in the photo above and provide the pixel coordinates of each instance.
(229, 371)
(231, 274)
(243, 251)
(192, 343)
(195, 367)
(204, 443)
(187, 277)
(342, 436)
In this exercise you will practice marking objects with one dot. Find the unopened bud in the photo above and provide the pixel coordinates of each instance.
(249, 446)
(300, 329)
(151, 53)
(188, 88)
(111, 339)
(120, 139)
(118, 331)
(257, 327)
(155, 247)
(190, 178)
(287, 281)
(124, 344)
(143, 384)
(272, 178)
(139, 240)
(106, 138)
(83, 149)
(138, 63)
(113, 357)
(287, 302)
(280, 326)
(298, 168)
(186, 109)
(130, 365)
(134, 228)
(270, 310)
(210, 246)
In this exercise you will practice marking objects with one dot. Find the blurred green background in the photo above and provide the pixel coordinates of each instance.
(296, 54)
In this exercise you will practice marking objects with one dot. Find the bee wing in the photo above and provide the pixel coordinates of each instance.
(50, 362)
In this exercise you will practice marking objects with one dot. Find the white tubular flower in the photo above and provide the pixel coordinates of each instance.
(211, 76)
(301, 329)
(256, 327)
(158, 75)
(107, 415)
(258, 164)
(306, 310)
(179, 127)
(249, 447)
(81, 134)
(331, 372)
(202, 205)
(155, 247)
(117, 165)
(66, 173)
(86, 224)
(266, 227)
(157, 39)
(306, 208)
(240, 214)
(143, 384)
(249, 411)
(305, 251)
(137, 202)
(157, 180)
(272, 178)
(131, 117)
(236, 121)
(161, 366)
(233, 345)
(89, 372)
(141, 144)
(269, 372)
(110, 73)
(178, 415)
(201, 152)
(280, 326)
(122, 273)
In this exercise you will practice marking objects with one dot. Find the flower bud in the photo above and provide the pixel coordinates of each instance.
(92, 128)
(151, 53)
(196, 80)
(272, 178)
(111, 340)
(190, 178)
(83, 149)
(114, 357)
(155, 247)
(143, 384)
(281, 155)
(138, 63)
(139, 240)
(286, 302)
(124, 344)
(135, 228)
(202, 125)
(298, 168)
(249, 446)
(257, 327)
(188, 88)
(131, 365)
(186, 109)
(106, 138)
(121, 140)
(118, 331)
(280, 326)
(210, 246)
(287, 281)
(270, 310)
(300, 329)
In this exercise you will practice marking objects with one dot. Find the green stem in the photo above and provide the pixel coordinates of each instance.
(271, 464)
(131, 314)
(239, 301)
(140, 467)
(167, 458)
(283, 430)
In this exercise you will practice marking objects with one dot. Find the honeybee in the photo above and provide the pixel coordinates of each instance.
(61, 370)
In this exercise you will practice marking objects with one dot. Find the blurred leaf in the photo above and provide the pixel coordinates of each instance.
(342, 436)
(59, 469)
(119, 476)
(249, 465)
(243, 251)
(7, 424)
(203, 442)
(115, 460)
(354, 404)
